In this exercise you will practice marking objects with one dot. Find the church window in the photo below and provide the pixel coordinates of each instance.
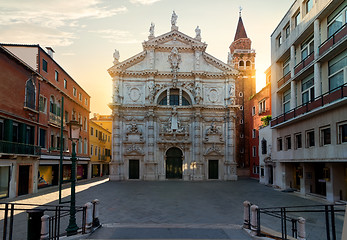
(241, 63)
(174, 99)
(248, 63)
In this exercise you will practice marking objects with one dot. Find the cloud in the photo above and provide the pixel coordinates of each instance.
(144, 2)
(53, 23)
(30, 34)
(116, 36)
(54, 14)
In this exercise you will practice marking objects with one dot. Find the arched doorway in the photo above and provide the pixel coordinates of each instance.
(174, 163)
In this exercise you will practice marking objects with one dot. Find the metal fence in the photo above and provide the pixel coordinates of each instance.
(286, 222)
(15, 220)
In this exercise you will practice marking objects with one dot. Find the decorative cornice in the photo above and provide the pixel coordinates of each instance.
(174, 35)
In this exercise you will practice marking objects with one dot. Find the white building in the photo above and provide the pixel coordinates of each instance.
(309, 103)
(173, 111)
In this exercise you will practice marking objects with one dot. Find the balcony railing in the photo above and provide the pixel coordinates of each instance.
(56, 120)
(284, 79)
(324, 99)
(337, 36)
(19, 148)
(305, 62)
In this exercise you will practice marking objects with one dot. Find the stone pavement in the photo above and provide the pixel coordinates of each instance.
(181, 210)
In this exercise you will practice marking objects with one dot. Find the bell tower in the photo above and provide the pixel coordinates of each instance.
(242, 58)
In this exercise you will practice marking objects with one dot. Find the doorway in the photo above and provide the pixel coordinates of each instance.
(174, 163)
(134, 169)
(23, 180)
(212, 169)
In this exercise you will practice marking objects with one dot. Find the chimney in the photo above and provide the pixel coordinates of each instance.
(50, 51)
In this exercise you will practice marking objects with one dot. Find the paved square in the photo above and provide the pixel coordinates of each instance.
(177, 209)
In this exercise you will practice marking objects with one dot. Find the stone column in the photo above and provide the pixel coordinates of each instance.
(254, 220)
(116, 164)
(44, 227)
(292, 94)
(317, 80)
(246, 214)
(301, 228)
(197, 147)
(317, 65)
(316, 38)
(150, 163)
(292, 60)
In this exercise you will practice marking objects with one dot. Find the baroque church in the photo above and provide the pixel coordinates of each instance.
(174, 111)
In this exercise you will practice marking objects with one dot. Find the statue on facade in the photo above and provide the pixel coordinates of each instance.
(197, 90)
(230, 58)
(151, 92)
(174, 19)
(151, 30)
(174, 59)
(232, 90)
(116, 56)
(198, 33)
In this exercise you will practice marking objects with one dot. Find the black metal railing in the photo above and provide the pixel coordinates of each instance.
(324, 99)
(283, 213)
(337, 36)
(13, 218)
(19, 148)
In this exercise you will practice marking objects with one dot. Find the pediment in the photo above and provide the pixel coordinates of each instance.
(162, 45)
(174, 38)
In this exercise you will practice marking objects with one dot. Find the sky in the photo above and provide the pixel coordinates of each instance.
(85, 33)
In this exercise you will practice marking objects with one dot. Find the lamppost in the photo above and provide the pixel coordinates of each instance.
(75, 129)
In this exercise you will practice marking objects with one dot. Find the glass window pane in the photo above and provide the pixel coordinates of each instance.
(335, 25)
(336, 81)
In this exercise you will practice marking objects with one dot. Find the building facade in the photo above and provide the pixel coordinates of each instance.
(242, 58)
(260, 115)
(309, 104)
(55, 99)
(173, 111)
(100, 149)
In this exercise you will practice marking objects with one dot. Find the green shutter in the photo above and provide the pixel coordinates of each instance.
(8, 130)
(21, 133)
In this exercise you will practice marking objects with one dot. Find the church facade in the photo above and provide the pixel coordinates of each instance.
(173, 111)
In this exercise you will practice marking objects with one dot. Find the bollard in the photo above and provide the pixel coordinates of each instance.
(254, 223)
(96, 222)
(89, 216)
(34, 223)
(44, 227)
(301, 229)
(246, 214)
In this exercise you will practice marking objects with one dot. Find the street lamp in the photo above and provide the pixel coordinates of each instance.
(75, 129)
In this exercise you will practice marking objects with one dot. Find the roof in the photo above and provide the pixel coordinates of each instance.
(39, 47)
(240, 31)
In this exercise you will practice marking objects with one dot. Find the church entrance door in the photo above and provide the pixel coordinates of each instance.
(174, 163)
(134, 169)
(212, 169)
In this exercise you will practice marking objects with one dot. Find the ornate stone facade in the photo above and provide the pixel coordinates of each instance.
(173, 111)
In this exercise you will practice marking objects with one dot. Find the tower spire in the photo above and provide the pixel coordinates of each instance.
(240, 31)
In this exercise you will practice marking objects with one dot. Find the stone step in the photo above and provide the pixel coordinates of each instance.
(170, 231)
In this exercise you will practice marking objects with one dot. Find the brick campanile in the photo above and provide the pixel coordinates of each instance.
(242, 57)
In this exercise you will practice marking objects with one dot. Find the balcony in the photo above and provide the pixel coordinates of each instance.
(284, 79)
(104, 157)
(305, 62)
(19, 148)
(54, 119)
(324, 99)
(336, 37)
